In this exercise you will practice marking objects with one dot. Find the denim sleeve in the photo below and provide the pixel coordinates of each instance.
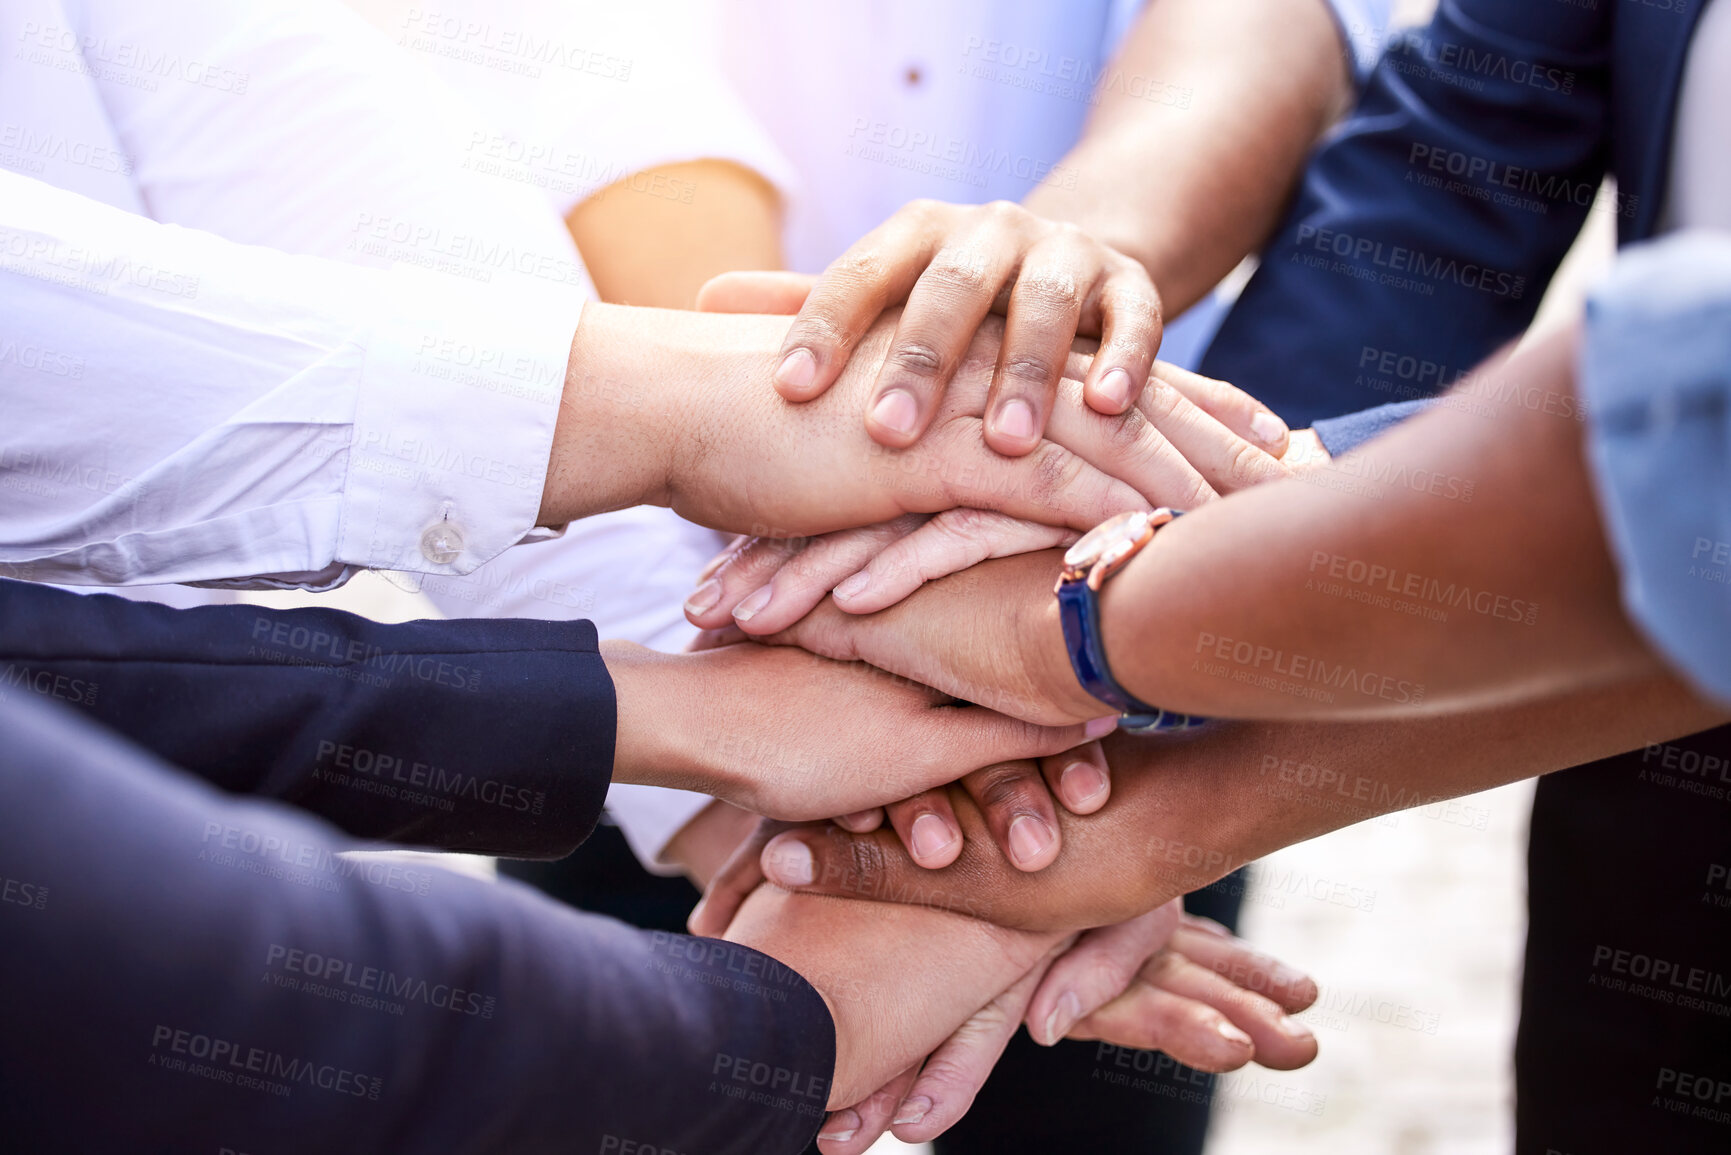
(1340, 434)
(1655, 374)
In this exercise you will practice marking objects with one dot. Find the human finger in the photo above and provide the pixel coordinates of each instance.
(1099, 968)
(1081, 778)
(954, 293)
(1045, 306)
(805, 578)
(927, 826)
(854, 1129)
(755, 291)
(954, 1073)
(948, 543)
(1211, 945)
(1130, 332)
(876, 271)
(1229, 405)
(738, 877)
(1018, 811)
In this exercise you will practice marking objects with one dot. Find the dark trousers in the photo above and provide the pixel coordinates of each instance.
(1037, 1101)
(1625, 1035)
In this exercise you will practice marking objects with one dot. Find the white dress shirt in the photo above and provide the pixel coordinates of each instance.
(181, 408)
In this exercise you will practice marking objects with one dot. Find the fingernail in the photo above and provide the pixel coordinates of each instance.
(748, 609)
(1268, 428)
(1065, 1015)
(1115, 387)
(797, 370)
(912, 1110)
(854, 586)
(1016, 419)
(841, 1128)
(896, 411)
(1288, 976)
(931, 836)
(1233, 1035)
(789, 863)
(704, 597)
(1293, 1029)
(1096, 727)
(1082, 782)
(1029, 838)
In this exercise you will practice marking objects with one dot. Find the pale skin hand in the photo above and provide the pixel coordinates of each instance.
(787, 734)
(928, 973)
(1169, 192)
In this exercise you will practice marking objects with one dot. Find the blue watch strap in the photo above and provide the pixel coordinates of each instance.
(1079, 614)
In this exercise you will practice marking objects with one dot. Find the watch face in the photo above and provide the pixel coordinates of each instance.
(1117, 529)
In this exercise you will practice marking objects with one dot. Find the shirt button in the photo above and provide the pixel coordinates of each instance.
(442, 542)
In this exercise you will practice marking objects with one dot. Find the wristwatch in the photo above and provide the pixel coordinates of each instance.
(1102, 552)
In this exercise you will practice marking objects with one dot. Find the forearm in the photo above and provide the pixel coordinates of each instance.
(1378, 596)
(633, 394)
(898, 979)
(658, 250)
(1263, 787)
(1187, 810)
(1189, 159)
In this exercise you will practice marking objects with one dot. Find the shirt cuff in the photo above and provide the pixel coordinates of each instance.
(1656, 379)
(650, 817)
(453, 425)
(1341, 434)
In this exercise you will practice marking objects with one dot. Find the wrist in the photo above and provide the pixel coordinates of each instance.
(650, 744)
(1055, 671)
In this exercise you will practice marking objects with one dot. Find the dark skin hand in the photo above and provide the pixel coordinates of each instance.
(1188, 809)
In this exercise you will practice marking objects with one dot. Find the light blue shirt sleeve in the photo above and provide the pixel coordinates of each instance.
(1656, 378)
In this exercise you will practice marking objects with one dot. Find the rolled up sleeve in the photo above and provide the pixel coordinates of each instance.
(1656, 377)
(185, 409)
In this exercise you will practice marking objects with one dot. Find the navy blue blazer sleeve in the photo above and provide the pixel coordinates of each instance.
(1429, 225)
(487, 736)
(186, 970)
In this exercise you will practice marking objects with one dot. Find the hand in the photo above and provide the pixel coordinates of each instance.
(898, 979)
(667, 408)
(767, 584)
(953, 265)
(786, 734)
(1164, 833)
(988, 635)
(1165, 981)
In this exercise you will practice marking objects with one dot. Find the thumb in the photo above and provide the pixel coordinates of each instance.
(1006, 737)
(755, 291)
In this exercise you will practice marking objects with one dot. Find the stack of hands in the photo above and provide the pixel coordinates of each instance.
(972, 754)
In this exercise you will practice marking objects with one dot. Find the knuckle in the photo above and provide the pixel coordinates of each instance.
(1249, 465)
(960, 273)
(868, 863)
(1053, 289)
(1053, 473)
(917, 359)
(1029, 367)
(819, 328)
(1009, 786)
(864, 264)
(1004, 212)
